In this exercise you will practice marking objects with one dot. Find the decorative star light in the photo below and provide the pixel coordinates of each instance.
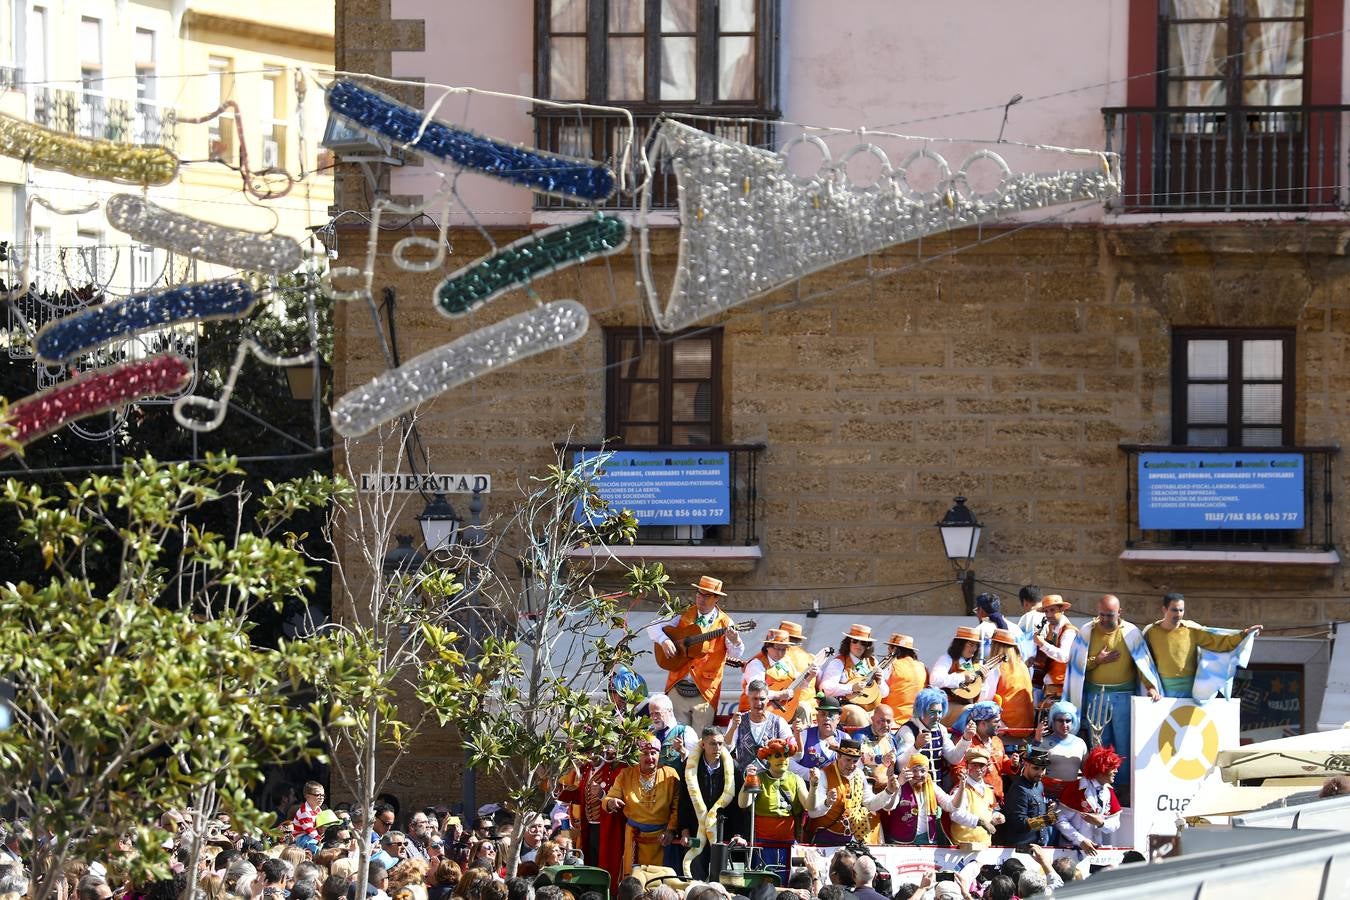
(749, 226)
(244, 250)
(397, 391)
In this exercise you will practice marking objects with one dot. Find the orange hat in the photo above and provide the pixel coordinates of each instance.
(1004, 636)
(1053, 601)
(793, 629)
(709, 585)
(967, 633)
(858, 632)
(903, 641)
(777, 636)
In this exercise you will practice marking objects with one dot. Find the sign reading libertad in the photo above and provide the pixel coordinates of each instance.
(428, 483)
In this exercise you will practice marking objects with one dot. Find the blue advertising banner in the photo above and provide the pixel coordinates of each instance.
(1220, 490)
(664, 487)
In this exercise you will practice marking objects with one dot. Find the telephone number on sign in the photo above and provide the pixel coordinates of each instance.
(1252, 517)
(709, 512)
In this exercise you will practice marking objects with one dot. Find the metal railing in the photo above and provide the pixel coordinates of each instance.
(1202, 158)
(741, 531)
(93, 115)
(604, 137)
(1315, 535)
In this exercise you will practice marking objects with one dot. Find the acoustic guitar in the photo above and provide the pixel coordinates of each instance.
(959, 698)
(787, 708)
(869, 695)
(690, 643)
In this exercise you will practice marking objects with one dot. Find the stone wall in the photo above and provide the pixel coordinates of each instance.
(1008, 372)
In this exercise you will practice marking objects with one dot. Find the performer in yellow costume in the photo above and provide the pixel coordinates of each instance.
(647, 795)
(1176, 642)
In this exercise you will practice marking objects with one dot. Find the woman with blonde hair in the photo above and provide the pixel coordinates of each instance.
(408, 877)
(1010, 684)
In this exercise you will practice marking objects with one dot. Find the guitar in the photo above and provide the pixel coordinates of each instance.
(971, 692)
(869, 695)
(786, 708)
(689, 643)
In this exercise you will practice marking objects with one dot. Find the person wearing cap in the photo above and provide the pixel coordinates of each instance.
(1089, 811)
(647, 797)
(1176, 642)
(801, 659)
(841, 805)
(1010, 683)
(987, 719)
(908, 676)
(848, 672)
(974, 815)
(694, 686)
(778, 805)
(775, 667)
(1108, 664)
(1027, 816)
(924, 733)
(1053, 644)
(818, 745)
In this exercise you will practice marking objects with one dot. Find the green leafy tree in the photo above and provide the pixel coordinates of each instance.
(143, 692)
(547, 711)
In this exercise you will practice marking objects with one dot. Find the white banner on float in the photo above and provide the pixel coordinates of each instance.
(1174, 745)
(908, 865)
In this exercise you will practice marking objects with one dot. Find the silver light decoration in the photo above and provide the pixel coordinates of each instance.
(244, 250)
(749, 226)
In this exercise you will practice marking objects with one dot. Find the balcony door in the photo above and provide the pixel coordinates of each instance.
(1236, 131)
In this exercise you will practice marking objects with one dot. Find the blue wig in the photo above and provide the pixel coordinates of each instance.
(627, 683)
(928, 697)
(993, 608)
(976, 712)
(1064, 708)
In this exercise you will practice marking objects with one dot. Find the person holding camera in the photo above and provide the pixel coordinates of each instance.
(1027, 816)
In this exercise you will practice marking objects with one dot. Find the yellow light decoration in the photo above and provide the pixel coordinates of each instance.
(87, 157)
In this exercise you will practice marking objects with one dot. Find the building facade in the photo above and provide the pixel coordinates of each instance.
(1031, 366)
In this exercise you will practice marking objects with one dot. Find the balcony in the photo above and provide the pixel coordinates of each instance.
(1245, 505)
(737, 538)
(602, 137)
(1213, 159)
(94, 115)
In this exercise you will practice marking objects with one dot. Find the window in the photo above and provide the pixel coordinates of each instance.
(220, 87)
(663, 391)
(93, 110)
(1235, 53)
(649, 52)
(273, 116)
(145, 64)
(143, 271)
(1233, 387)
(42, 258)
(93, 259)
(35, 66)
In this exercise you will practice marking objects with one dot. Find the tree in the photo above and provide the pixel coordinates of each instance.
(548, 712)
(143, 692)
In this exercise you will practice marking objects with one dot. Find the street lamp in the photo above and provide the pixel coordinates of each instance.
(960, 532)
(440, 524)
(404, 559)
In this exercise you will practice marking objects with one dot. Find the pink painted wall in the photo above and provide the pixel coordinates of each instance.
(921, 67)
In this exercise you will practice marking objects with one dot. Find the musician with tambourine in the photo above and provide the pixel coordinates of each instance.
(854, 675)
(694, 649)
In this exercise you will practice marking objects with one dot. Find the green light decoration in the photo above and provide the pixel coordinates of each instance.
(522, 261)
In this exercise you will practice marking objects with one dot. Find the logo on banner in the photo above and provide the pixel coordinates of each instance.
(1177, 744)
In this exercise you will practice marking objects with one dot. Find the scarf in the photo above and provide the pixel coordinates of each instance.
(1076, 676)
(706, 818)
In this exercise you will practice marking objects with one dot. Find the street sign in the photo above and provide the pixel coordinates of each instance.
(429, 483)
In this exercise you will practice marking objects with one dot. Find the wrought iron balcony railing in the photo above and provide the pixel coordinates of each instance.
(1317, 512)
(1206, 158)
(604, 137)
(94, 115)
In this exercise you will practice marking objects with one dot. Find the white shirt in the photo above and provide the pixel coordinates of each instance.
(818, 798)
(1060, 652)
(833, 682)
(953, 753)
(941, 676)
(1073, 826)
(1066, 756)
(1030, 621)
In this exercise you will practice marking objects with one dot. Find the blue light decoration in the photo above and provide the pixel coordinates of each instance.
(68, 337)
(545, 173)
(522, 261)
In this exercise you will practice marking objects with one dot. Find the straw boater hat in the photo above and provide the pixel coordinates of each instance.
(709, 585)
(793, 629)
(1053, 601)
(967, 633)
(1004, 636)
(777, 636)
(858, 632)
(903, 641)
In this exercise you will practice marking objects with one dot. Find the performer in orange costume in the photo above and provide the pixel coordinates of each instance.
(693, 688)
